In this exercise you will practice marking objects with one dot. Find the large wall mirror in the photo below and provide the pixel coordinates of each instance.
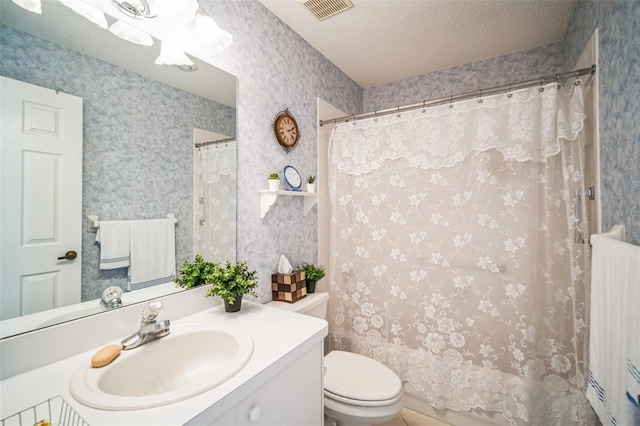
(139, 125)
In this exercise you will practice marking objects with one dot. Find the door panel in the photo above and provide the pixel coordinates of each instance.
(38, 292)
(41, 198)
(40, 178)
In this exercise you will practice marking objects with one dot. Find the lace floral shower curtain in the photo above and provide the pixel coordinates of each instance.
(453, 252)
(216, 233)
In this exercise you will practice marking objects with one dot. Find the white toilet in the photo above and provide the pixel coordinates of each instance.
(357, 390)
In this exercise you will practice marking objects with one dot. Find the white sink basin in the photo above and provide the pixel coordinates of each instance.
(193, 358)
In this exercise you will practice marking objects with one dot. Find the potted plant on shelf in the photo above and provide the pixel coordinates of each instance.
(194, 274)
(311, 183)
(274, 181)
(231, 282)
(313, 273)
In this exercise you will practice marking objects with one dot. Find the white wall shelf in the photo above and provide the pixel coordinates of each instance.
(268, 198)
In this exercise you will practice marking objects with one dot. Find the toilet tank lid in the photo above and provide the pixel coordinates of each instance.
(303, 305)
(358, 377)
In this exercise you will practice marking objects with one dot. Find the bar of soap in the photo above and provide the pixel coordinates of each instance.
(105, 355)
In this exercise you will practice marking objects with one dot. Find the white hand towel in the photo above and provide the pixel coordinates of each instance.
(113, 237)
(633, 338)
(153, 253)
(615, 269)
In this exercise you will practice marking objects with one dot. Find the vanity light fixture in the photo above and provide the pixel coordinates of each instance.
(31, 5)
(87, 11)
(176, 13)
(137, 9)
(130, 33)
(202, 34)
(184, 26)
(171, 55)
(209, 34)
(187, 26)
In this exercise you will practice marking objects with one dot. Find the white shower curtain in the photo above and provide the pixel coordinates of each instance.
(453, 252)
(215, 237)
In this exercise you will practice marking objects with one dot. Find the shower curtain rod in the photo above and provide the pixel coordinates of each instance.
(464, 96)
(201, 144)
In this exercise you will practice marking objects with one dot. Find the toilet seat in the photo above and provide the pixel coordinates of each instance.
(358, 380)
(361, 403)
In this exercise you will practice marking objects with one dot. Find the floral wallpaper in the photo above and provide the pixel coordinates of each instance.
(618, 24)
(478, 75)
(276, 70)
(128, 120)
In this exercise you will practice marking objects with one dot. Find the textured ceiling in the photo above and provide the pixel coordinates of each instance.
(379, 41)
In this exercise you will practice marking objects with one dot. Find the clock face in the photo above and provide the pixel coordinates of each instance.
(286, 130)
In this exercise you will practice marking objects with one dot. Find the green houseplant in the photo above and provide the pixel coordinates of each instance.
(231, 282)
(274, 181)
(194, 274)
(311, 183)
(313, 273)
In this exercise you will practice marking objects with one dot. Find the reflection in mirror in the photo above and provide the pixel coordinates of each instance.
(138, 133)
(215, 196)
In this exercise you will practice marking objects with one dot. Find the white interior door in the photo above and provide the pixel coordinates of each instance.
(41, 198)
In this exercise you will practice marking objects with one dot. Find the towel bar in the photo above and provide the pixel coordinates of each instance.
(93, 223)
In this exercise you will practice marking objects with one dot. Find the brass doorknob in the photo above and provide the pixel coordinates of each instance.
(70, 255)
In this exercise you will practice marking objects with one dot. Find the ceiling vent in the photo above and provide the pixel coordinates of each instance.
(322, 9)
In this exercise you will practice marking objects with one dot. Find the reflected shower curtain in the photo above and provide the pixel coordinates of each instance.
(215, 236)
(456, 252)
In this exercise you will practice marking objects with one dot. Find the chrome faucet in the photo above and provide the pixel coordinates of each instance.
(150, 329)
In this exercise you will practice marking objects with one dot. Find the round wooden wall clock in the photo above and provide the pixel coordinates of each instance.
(286, 129)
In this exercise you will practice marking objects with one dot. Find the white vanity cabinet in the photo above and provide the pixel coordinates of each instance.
(293, 396)
(280, 385)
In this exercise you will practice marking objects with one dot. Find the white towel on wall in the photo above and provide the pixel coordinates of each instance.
(153, 253)
(633, 341)
(113, 237)
(614, 331)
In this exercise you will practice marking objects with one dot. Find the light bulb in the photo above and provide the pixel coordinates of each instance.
(171, 55)
(209, 34)
(180, 11)
(31, 5)
(130, 33)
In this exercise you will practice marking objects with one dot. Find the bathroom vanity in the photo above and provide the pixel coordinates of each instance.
(280, 384)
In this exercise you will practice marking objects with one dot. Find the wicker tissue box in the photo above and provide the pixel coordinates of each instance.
(288, 287)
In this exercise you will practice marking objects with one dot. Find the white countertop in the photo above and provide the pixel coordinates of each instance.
(279, 338)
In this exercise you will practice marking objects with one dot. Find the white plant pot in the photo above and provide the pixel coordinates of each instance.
(311, 187)
(274, 184)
